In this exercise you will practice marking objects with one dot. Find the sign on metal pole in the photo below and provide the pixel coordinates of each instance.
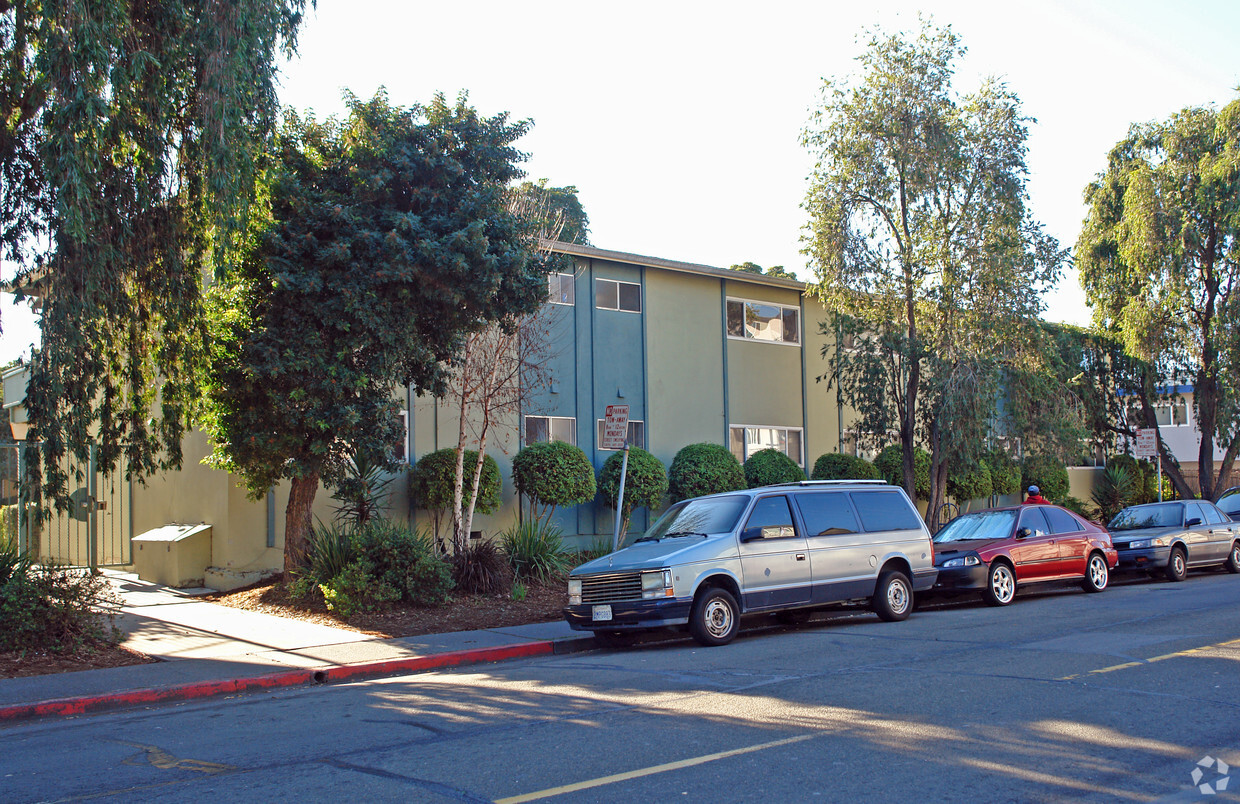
(615, 436)
(1147, 447)
(1147, 442)
(615, 427)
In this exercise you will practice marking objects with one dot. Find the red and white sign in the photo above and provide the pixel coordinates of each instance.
(615, 427)
(1147, 442)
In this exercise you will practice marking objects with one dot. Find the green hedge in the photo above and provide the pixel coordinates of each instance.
(1046, 472)
(433, 477)
(645, 487)
(1004, 472)
(700, 469)
(554, 473)
(970, 483)
(839, 466)
(767, 467)
(890, 466)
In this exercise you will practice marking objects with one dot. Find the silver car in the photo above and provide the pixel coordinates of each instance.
(787, 549)
(1173, 537)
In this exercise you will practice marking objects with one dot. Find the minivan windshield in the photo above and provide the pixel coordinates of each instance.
(986, 525)
(698, 517)
(1158, 515)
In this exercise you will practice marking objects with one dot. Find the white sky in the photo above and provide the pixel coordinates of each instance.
(679, 122)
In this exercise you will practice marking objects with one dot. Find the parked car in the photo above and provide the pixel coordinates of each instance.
(998, 550)
(1229, 503)
(785, 549)
(1173, 537)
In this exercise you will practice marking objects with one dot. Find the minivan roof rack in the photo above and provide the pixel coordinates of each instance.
(832, 483)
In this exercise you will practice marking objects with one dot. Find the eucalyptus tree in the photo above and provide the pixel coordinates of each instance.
(388, 239)
(923, 245)
(128, 148)
(1160, 262)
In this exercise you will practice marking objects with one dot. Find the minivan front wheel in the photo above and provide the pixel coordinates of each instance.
(715, 618)
(893, 597)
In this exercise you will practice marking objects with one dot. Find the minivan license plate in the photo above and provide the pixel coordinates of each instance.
(601, 613)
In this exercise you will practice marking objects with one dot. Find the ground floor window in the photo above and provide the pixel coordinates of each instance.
(636, 436)
(550, 428)
(748, 439)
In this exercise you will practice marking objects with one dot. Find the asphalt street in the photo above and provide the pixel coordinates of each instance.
(1063, 696)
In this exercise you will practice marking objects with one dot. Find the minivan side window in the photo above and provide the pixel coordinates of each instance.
(826, 513)
(772, 517)
(885, 510)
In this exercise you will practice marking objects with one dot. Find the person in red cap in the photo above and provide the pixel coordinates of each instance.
(1035, 497)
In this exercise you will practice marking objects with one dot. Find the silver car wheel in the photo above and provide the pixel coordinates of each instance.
(718, 618)
(1098, 572)
(1002, 584)
(897, 598)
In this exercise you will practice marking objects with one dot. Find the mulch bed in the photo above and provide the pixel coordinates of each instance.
(94, 656)
(465, 612)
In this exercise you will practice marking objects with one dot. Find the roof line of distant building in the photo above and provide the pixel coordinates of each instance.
(590, 252)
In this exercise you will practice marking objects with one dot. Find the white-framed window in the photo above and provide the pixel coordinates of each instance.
(550, 428)
(746, 439)
(612, 294)
(763, 321)
(561, 289)
(402, 446)
(636, 436)
(1171, 414)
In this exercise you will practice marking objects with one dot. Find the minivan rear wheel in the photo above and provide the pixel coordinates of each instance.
(893, 597)
(715, 618)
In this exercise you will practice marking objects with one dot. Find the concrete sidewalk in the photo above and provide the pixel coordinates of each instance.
(206, 649)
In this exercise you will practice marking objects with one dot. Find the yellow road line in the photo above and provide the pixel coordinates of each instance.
(637, 774)
(1152, 659)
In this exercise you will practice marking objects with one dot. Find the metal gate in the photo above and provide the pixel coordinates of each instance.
(96, 530)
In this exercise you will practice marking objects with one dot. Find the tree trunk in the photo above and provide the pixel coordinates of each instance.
(297, 522)
(938, 478)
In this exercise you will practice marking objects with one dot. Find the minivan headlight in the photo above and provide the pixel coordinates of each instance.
(574, 591)
(963, 561)
(657, 584)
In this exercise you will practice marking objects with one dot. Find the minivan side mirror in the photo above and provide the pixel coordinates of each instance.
(1193, 522)
(751, 534)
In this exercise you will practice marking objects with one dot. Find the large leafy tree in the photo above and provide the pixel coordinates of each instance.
(389, 240)
(924, 247)
(1160, 263)
(128, 141)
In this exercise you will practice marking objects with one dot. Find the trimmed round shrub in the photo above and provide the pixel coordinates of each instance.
(767, 467)
(1004, 472)
(645, 486)
(1046, 472)
(970, 483)
(434, 475)
(890, 466)
(553, 473)
(840, 466)
(700, 469)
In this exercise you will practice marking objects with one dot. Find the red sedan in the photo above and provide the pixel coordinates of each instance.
(997, 550)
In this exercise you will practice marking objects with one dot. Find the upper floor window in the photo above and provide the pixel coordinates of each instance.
(745, 441)
(401, 447)
(561, 289)
(611, 294)
(636, 436)
(763, 321)
(550, 428)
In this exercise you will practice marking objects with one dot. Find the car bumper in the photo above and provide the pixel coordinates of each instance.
(630, 615)
(1145, 558)
(962, 579)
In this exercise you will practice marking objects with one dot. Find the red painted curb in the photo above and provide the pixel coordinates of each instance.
(292, 678)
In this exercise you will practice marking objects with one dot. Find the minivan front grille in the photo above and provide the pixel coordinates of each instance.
(611, 588)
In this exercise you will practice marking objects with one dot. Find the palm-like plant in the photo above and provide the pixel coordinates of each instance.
(1114, 492)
